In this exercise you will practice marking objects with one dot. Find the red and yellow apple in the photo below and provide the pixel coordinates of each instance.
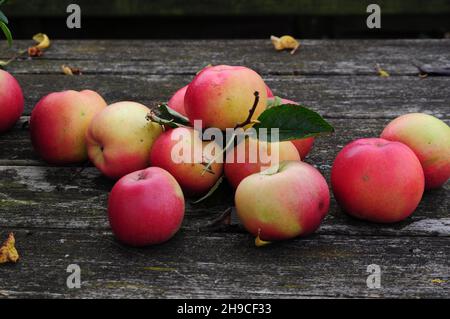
(377, 180)
(429, 138)
(146, 207)
(11, 101)
(287, 200)
(59, 122)
(269, 92)
(119, 139)
(252, 156)
(222, 96)
(176, 102)
(182, 153)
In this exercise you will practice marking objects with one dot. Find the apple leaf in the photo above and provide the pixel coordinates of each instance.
(7, 32)
(167, 116)
(3, 17)
(293, 121)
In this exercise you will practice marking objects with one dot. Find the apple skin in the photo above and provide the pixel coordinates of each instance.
(429, 138)
(235, 172)
(303, 145)
(120, 138)
(191, 176)
(269, 92)
(59, 122)
(221, 96)
(287, 200)
(377, 180)
(11, 101)
(146, 207)
(176, 102)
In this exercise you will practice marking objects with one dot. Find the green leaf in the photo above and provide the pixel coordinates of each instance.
(293, 121)
(3, 17)
(169, 115)
(7, 33)
(2, 1)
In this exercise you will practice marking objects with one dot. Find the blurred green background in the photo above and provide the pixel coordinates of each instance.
(229, 18)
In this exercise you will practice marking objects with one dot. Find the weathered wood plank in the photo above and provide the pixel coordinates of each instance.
(333, 97)
(227, 265)
(331, 57)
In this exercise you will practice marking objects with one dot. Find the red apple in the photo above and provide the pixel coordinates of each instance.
(285, 201)
(303, 145)
(221, 96)
(429, 138)
(176, 102)
(11, 101)
(59, 122)
(120, 138)
(269, 92)
(377, 180)
(146, 207)
(248, 157)
(167, 152)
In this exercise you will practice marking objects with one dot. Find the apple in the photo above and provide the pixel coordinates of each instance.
(377, 180)
(269, 92)
(119, 139)
(176, 102)
(11, 101)
(168, 153)
(287, 200)
(59, 122)
(303, 145)
(146, 207)
(429, 138)
(222, 96)
(248, 157)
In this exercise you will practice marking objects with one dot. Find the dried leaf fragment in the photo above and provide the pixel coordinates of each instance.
(34, 52)
(438, 281)
(285, 42)
(8, 251)
(259, 242)
(382, 73)
(68, 70)
(42, 40)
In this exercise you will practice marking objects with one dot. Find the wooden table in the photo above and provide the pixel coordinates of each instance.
(59, 217)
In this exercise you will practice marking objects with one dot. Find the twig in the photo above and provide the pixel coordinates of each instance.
(230, 143)
(250, 112)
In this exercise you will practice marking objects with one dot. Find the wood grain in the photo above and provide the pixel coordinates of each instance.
(326, 57)
(227, 265)
(59, 213)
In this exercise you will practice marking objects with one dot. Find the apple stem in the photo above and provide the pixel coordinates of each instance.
(250, 112)
(230, 143)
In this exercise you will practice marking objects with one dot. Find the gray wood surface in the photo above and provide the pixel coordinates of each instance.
(59, 213)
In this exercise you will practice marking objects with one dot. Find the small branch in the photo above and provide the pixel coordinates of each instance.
(250, 112)
(230, 143)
